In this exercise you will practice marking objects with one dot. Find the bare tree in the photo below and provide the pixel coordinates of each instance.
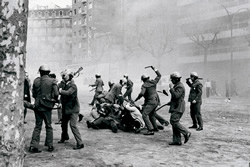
(157, 41)
(198, 32)
(13, 35)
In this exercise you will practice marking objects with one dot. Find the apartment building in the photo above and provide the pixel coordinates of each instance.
(49, 38)
(214, 39)
(93, 22)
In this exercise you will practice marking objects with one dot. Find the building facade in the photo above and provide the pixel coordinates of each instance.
(94, 21)
(214, 40)
(49, 38)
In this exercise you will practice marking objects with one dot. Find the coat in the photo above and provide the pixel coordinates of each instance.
(195, 91)
(177, 102)
(46, 88)
(129, 84)
(114, 93)
(148, 91)
(69, 99)
(99, 85)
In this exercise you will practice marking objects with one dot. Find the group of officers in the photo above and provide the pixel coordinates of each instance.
(46, 92)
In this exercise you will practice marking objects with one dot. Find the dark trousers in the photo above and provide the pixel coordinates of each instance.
(207, 92)
(128, 94)
(40, 117)
(195, 113)
(177, 128)
(148, 115)
(72, 120)
(160, 119)
(95, 97)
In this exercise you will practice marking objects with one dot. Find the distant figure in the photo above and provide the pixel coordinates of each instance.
(233, 88)
(208, 88)
(129, 88)
(213, 88)
(227, 87)
(98, 87)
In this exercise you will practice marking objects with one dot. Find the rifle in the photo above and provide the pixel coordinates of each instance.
(78, 72)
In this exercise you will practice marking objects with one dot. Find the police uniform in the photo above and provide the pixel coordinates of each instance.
(177, 108)
(195, 108)
(44, 87)
(99, 88)
(151, 101)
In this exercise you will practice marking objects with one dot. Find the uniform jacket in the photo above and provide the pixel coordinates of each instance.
(195, 91)
(44, 87)
(114, 93)
(177, 102)
(99, 85)
(69, 99)
(129, 84)
(148, 91)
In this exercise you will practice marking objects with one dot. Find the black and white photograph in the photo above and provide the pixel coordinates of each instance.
(124, 83)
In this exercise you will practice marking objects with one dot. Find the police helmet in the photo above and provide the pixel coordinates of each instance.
(97, 75)
(44, 68)
(175, 75)
(144, 77)
(194, 74)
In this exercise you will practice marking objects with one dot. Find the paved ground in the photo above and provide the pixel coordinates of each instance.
(223, 142)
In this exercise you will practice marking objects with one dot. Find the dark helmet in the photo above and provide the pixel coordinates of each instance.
(97, 75)
(194, 74)
(144, 77)
(44, 68)
(175, 75)
(110, 83)
(125, 75)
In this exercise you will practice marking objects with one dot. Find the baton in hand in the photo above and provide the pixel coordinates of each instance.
(148, 67)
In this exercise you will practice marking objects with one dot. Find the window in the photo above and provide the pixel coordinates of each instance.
(53, 13)
(80, 10)
(46, 14)
(61, 13)
(90, 5)
(80, 32)
(90, 17)
(75, 11)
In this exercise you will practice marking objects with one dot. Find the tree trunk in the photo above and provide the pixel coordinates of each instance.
(205, 61)
(13, 33)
